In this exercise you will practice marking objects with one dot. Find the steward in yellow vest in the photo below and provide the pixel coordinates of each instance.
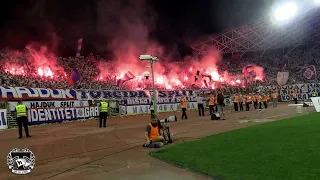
(104, 106)
(314, 94)
(151, 107)
(22, 119)
(184, 103)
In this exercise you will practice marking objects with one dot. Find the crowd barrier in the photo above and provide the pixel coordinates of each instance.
(56, 105)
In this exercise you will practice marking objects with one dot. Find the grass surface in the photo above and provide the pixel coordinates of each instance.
(281, 150)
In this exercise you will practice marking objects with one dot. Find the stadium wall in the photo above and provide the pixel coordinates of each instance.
(57, 105)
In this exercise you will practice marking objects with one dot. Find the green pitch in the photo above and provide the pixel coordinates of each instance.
(286, 149)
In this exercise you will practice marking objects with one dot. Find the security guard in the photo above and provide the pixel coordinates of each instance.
(211, 103)
(268, 98)
(240, 100)
(151, 107)
(260, 100)
(248, 101)
(275, 99)
(265, 101)
(236, 102)
(22, 119)
(295, 99)
(103, 113)
(216, 104)
(184, 107)
(314, 94)
(255, 101)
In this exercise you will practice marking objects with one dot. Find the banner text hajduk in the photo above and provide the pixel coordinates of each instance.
(23, 93)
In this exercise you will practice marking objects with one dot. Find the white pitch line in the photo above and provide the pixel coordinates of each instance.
(261, 119)
(277, 116)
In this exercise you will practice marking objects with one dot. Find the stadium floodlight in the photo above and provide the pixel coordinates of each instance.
(316, 2)
(285, 11)
(152, 60)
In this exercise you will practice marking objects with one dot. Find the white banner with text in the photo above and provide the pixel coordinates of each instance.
(50, 104)
(3, 119)
(49, 115)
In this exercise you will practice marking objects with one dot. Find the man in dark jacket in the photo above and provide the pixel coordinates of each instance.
(220, 99)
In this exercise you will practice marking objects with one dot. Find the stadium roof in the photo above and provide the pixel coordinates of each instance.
(263, 34)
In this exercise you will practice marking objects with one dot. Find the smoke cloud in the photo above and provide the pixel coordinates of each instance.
(127, 26)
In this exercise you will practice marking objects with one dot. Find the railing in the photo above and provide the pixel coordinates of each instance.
(12, 122)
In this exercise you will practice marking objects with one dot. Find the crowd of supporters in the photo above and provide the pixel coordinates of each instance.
(90, 79)
(292, 63)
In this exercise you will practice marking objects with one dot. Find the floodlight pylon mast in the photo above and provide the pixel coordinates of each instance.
(262, 35)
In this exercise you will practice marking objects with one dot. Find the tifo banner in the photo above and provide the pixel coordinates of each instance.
(48, 115)
(24, 93)
(282, 78)
(50, 104)
(3, 119)
(309, 72)
(303, 91)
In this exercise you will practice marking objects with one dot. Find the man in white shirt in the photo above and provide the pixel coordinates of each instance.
(200, 105)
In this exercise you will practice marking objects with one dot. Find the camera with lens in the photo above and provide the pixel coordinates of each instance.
(168, 136)
(169, 119)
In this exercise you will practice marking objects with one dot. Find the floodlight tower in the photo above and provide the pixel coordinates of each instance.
(316, 2)
(285, 12)
(152, 60)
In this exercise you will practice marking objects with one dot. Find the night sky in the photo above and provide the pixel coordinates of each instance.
(169, 22)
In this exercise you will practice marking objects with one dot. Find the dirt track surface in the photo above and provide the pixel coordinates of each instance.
(81, 150)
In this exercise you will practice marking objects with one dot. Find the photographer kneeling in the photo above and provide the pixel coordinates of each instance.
(152, 134)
